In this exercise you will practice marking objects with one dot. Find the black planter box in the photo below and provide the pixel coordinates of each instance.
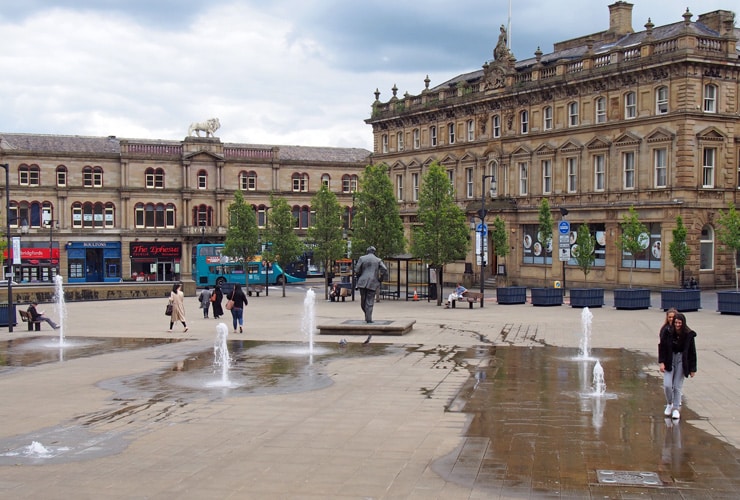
(681, 300)
(511, 295)
(632, 298)
(547, 296)
(586, 297)
(728, 302)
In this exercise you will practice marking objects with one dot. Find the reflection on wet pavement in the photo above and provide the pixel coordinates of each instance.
(538, 431)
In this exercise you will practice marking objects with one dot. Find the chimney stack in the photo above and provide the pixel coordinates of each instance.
(620, 18)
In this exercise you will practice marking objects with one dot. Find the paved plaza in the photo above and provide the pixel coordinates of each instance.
(470, 404)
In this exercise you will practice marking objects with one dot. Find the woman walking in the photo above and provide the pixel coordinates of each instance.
(237, 311)
(217, 297)
(677, 360)
(177, 299)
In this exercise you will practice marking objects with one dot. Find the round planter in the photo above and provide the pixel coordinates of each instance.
(511, 295)
(681, 300)
(728, 302)
(632, 298)
(547, 296)
(586, 297)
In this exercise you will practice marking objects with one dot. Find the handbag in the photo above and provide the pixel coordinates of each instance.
(213, 297)
(230, 303)
(168, 310)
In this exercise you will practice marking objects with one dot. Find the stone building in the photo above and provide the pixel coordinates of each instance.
(102, 209)
(605, 121)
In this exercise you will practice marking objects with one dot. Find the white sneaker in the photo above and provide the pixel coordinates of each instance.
(667, 411)
(675, 415)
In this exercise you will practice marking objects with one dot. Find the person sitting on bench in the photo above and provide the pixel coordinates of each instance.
(456, 295)
(39, 315)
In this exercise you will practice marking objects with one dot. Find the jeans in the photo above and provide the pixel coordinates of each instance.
(237, 316)
(673, 382)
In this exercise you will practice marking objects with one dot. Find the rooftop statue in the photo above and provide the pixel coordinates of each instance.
(209, 127)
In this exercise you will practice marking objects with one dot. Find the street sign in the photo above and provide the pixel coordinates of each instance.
(564, 227)
(564, 254)
(564, 240)
(482, 228)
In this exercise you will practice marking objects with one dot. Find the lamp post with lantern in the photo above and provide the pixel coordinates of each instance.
(482, 231)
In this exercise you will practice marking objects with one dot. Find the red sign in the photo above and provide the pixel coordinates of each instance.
(151, 250)
(34, 253)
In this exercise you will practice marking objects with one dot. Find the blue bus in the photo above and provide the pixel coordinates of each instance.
(211, 267)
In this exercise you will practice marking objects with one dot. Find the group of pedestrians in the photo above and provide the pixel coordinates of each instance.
(236, 301)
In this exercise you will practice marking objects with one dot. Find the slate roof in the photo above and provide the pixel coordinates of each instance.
(60, 144)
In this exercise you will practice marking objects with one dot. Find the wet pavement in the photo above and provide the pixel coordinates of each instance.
(482, 403)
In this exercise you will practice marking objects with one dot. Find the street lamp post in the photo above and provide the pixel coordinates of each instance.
(483, 234)
(265, 264)
(8, 276)
(51, 224)
(202, 231)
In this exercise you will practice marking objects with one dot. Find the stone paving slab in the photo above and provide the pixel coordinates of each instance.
(376, 432)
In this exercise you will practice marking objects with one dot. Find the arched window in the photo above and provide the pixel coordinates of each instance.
(300, 182)
(248, 181)
(93, 215)
(202, 179)
(349, 183)
(92, 176)
(524, 122)
(154, 215)
(61, 176)
(29, 214)
(661, 100)
(29, 175)
(202, 216)
(496, 126)
(326, 180)
(706, 249)
(262, 215)
(154, 178)
(630, 105)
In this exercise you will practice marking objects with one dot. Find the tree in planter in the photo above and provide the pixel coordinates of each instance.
(325, 234)
(544, 231)
(242, 234)
(283, 244)
(728, 233)
(632, 240)
(584, 250)
(678, 250)
(441, 235)
(500, 238)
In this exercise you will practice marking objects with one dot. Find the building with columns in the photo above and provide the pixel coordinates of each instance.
(605, 121)
(103, 209)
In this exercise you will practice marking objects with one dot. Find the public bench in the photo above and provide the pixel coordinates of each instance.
(345, 290)
(389, 290)
(32, 325)
(471, 298)
(255, 289)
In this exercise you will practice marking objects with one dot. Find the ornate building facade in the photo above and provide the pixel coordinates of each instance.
(605, 121)
(103, 209)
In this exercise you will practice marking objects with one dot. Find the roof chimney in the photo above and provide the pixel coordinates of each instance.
(620, 18)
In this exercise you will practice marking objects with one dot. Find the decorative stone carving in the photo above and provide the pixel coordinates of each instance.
(209, 127)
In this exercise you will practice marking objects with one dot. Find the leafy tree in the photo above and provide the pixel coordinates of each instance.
(500, 238)
(441, 235)
(283, 244)
(728, 233)
(377, 221)
(584, 251)
(242, 235)
(678, 250)
(632, 240)
(326, 231)
(545, 230)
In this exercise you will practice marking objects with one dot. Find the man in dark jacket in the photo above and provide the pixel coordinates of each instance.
(367, 270)
(37, 315)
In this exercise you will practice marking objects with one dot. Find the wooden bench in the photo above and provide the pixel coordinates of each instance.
(472, 298)
(25, 316)
(255, 289)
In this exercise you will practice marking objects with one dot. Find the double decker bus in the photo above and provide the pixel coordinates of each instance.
(211, 267)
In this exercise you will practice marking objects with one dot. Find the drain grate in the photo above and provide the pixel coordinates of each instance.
(628, 477)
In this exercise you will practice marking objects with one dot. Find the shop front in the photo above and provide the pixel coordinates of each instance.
(155, 261)
(39, 264)
(93, 261)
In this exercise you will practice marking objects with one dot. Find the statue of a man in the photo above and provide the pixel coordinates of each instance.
(369, 269)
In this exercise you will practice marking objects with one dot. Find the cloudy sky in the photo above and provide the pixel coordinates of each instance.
(274, 72)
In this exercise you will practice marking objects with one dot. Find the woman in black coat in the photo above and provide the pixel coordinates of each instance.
(218, 309)
(677, 359)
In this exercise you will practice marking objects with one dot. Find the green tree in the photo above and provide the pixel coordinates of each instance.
(632, 239)
(441, 235)
(584, 250)
(242, 234)
(728, 233)
(325, 234)
(283, 244)
(678, 250)
(377, 221)
(500, 238)
(544, 231)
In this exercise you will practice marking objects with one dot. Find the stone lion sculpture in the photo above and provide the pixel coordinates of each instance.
(208, 126)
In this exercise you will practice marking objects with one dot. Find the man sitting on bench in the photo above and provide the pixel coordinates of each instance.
(456, 295)
(39, 315)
